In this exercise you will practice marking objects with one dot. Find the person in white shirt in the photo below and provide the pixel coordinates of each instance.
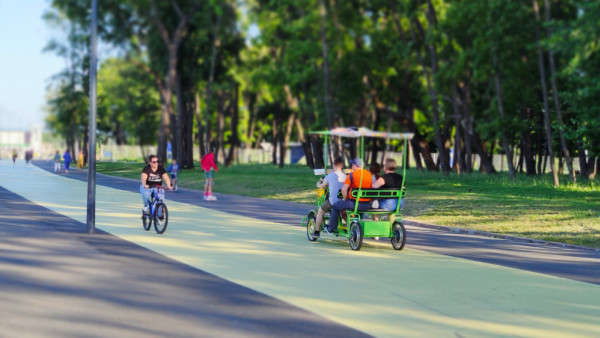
(335, 181)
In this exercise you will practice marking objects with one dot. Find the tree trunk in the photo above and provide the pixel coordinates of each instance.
(234, 139)
(275, 131)
(419, 144)
(547, 125)
(220, 126)
(588, 166)
(527, 147)
(250, 99)
(305, 144)
(198, 112)
(179, 121)
(375, 141)
(561, 124)
(191, 105)
(167, 105)
(486, 165)
(458, 158)
(326, 72)
(439, 137)
(211, 78)
(286, 139)
(468, 125)
(317, 149)
(505, 141)
(172, 44)
(519, 168)
(163, 135)
(415, 25)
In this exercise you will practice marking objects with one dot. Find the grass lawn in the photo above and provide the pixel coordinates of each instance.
(530, 207)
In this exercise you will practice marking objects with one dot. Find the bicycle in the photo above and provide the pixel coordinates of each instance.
(157, 212)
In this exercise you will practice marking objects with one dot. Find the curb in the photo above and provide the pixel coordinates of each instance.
(500, 236)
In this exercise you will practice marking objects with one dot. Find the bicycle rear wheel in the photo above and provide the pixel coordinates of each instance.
(161, 218)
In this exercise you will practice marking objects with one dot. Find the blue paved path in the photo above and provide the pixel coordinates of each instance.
(377, 290)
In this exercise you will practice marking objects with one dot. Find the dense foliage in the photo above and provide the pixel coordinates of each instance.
(515, 78)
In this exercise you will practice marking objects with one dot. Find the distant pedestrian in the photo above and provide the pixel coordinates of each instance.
(57, 162)
(210, 167)
(80, 160)
(14, 156)
(28, 156)
(174, 169)
(67, 159)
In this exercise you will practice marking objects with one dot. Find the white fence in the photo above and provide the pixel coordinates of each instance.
(113, 152)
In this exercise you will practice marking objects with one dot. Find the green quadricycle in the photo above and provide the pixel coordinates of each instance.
(374, 222)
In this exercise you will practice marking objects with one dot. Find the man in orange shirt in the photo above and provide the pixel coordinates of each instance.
(357, 178)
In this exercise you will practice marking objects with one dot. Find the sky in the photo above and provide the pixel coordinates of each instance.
(24, 70)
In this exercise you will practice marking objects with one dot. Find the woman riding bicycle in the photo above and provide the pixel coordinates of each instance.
(152, 176)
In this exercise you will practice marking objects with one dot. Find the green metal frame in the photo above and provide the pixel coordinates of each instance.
(371, 228)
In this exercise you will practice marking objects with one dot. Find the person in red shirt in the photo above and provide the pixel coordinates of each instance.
(357, 178)
(210, 167)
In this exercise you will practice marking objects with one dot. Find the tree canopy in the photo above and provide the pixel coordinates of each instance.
(469, 78)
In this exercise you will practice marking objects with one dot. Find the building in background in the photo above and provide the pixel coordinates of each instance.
(21, 141)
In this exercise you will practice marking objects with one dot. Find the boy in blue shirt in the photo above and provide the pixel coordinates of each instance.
(174, 169)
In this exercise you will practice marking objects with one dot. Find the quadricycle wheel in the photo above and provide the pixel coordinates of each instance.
(356, 235)
(310, 227)
(398, 235)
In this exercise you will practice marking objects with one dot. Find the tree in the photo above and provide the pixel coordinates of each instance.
(547, 125)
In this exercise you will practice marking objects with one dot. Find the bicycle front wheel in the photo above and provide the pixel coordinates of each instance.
(161, 218)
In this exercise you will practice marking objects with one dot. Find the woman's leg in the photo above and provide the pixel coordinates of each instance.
(209, 181)
(145, 195)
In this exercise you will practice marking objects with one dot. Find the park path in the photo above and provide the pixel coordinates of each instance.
(547, 258)
(378, 291)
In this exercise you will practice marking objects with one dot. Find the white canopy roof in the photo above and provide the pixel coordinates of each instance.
(360, 132)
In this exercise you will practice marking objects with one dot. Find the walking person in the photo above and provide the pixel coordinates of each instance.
(57, 162)
(174, 169)
(80, 160)
(67, 159)
(210, 167)
(14, 156)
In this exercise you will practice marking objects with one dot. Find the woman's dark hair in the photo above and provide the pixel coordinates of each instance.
(375, 169)
(151, 157)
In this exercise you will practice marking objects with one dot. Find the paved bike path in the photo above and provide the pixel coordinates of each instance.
(58, 281)
(378, 291)
(567, 262)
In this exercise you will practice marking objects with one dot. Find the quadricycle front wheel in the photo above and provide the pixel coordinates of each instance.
(310, 226)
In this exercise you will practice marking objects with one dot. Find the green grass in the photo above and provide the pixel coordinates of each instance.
(531, 207)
